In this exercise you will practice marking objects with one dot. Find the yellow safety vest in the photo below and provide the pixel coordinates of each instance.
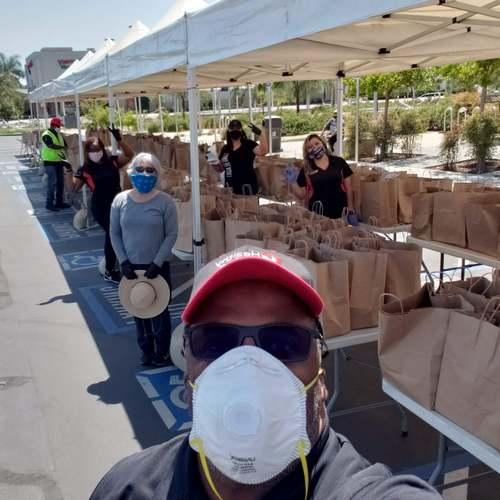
(49, 154)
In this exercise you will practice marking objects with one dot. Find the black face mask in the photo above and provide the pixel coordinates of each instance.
(235, 134)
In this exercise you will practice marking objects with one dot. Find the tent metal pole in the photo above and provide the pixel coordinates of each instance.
(119, 112)
(214, 108)
(356, 144)
(46, 113)
(63, 108)
(55, 107)
(160, 112)
(194, 104)
(340, 109)
(136, 114)
(80, 154)
(111, 108)
(250, 109)
(141, 121)
(38, 116)
(176, 111)
(269, 112)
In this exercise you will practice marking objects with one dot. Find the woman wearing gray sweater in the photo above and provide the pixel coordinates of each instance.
(143, 233)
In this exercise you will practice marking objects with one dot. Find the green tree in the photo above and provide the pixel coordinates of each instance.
(11, 100)
(469, 74)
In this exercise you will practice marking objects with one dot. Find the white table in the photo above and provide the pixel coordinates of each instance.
(387, 231)
(184, 256)
(336, 344)
(461, 253)
(447, 430)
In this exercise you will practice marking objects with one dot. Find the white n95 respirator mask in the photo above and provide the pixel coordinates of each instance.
(249, 417)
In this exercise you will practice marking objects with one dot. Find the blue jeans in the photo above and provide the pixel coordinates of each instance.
(55, 184)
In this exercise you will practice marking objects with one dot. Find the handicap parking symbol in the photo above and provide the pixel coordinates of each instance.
(165, 388)
(78, 261)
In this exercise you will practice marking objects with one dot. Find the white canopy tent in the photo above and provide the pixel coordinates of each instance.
(234, 42)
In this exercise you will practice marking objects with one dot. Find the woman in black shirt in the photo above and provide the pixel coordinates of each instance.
(237, 157)
(325, 179)
(101, 174)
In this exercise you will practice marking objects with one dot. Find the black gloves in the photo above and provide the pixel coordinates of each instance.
(127, 270)
(115, 132)
(256, 130)
(152, 272)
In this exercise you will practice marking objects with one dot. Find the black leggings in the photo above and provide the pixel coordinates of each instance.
(102, 216)
(153, 334)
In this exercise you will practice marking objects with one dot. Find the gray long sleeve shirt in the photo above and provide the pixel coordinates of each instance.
(143, 232)
(337, 472)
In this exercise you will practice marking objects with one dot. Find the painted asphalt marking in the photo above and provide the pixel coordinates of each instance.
(165, 388)
(63, 231)
(104, 302)
(78, 261)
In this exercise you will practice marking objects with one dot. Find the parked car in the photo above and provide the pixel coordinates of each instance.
(430, 96)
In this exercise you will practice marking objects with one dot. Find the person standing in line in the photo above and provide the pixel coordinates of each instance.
(331, 128)
(237, 158)
(101, 173)
(54, 161)
(324, 181)
(143, 233)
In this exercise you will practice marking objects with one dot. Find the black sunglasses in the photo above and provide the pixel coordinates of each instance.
(288, 343)
(148, 170)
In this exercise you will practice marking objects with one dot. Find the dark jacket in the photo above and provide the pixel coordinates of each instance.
(337, 472)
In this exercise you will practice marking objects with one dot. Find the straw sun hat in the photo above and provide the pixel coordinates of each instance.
(144, 298)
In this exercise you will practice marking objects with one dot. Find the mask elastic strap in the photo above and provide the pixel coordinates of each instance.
(305, 469)
(314, 380)
(204, 465)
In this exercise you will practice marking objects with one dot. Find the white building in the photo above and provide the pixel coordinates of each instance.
(48, 63)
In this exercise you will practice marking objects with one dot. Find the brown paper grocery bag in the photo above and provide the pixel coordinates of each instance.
(408, 185)
(448, 222)
(483, 228)
(184, 241)
(367, 274)
(253, 238)
(330, 275)
(213, 231)
(249, 204)
(469, 384)
(380, 201)
(422, 210)
(411, 343)
(404, 261)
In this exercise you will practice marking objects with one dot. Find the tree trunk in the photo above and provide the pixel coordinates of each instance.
(297, 100)
(308, 99)
(183, 104)
(482, 102)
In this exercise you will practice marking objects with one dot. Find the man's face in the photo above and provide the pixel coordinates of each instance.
(249, 303)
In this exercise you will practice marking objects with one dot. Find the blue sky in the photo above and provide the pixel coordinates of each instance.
(28, 25)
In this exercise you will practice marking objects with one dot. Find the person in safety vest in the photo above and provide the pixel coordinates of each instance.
(253, 344)
(54, 161)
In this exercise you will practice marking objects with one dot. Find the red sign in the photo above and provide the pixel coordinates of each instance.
(65, 63)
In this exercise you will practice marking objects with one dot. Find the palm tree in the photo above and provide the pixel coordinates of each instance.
(10, 67)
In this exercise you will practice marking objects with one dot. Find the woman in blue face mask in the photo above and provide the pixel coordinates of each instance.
(324, 183)
(143, 233)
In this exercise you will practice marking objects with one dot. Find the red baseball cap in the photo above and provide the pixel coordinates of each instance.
(252, 263)
(56, 122)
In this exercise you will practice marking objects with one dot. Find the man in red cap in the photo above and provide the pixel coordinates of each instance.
(253, 346)
(54, 160)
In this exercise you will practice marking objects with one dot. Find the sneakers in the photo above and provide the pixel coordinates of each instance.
(113, 277)
(161, 360)
(62, 206)
(52, 208)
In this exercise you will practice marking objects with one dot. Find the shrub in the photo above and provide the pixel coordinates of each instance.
(480, 133)
(365, 135)
(450, 145)
(129, 120)
(409, 127)
(97, 116)
(384, 137)
(467, 100)
(153, 127)
(432, 114)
